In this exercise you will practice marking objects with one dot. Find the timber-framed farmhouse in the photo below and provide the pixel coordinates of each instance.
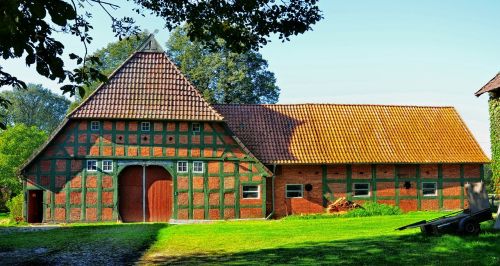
(146, 146)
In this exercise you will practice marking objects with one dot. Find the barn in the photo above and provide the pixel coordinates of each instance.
(146, 146)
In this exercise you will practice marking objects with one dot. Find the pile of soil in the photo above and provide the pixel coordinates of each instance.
(342, 205)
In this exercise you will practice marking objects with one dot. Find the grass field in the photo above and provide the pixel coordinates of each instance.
(360, 241)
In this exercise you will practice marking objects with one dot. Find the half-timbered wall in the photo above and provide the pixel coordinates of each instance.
(399, 185)
(71, 193)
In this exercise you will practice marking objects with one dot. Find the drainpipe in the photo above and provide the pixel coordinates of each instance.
(143, 193)
(272, 194)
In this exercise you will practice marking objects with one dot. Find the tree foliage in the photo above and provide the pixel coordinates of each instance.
(223, 76)
(242, 24)
(17, 143)
(28, 30)
(494, 108)
(35, 106)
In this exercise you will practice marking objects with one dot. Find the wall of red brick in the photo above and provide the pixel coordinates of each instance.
(399, 185)
(311, 202)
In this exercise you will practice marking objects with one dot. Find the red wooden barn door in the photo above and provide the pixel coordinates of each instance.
(159, 194)
(35, 206)
(130, 194)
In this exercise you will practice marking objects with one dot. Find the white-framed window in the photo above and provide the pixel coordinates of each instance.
(145, 126)
(195, 128)
(107, 166)
(197, 167)
(294, 190)
(429, 188)
(251, 191)
(95, 125)
(182, 167)
(92, 165)
(361, 189)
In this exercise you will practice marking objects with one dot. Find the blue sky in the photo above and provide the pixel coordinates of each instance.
(378, 52)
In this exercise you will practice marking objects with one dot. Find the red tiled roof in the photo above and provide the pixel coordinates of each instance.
(492, 85)
(147, 86)
(336, 133)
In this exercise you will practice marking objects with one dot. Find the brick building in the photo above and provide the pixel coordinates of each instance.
(146, 146)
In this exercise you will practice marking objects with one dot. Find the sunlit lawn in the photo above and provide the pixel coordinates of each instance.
(354, 241)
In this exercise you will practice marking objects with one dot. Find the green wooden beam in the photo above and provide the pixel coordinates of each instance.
(374, 182)
(349, 182)
(440, 185)
(221, 191)
(419, 188)
(462, 184)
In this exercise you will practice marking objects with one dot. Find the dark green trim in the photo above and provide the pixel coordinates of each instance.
(175, 191)
(263, 195)
(52, 187)
(115, 178)
(190, 192)
(419, 188)
(440, 185)
(396, 183)
(236, 190)
(324, 184)
(205, 188)
(221, 190)
(99, 190)
(84, 192)
(67, 185)
(374, 183)
(462, 183)
(177, 137)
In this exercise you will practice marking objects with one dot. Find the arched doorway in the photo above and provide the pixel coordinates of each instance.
(157, 194)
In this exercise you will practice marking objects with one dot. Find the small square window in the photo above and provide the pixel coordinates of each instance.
(197, 167)
(107, 166)
(251, 191)
(182, 167)
(92, 165)
(196, 128)
(145, 126)
(294, 190)
(361, 189)
(429, 188)
(94, 125)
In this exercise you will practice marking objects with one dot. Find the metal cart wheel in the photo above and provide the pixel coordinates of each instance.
(471, 228)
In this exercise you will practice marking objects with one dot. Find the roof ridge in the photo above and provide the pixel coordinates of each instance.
(483, 89)
(337, 104)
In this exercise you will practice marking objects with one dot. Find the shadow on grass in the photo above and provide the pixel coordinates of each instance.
(113, 244)
(413, 249)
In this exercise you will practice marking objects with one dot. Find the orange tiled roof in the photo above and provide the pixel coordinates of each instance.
(336, 133)
(492, 85)
(147, 86)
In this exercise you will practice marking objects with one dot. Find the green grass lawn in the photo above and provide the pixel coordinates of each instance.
(355, 241)
(360, 241)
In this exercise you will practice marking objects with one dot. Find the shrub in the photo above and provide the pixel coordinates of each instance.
(15, 205)
(374, 209)
(314, 216)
